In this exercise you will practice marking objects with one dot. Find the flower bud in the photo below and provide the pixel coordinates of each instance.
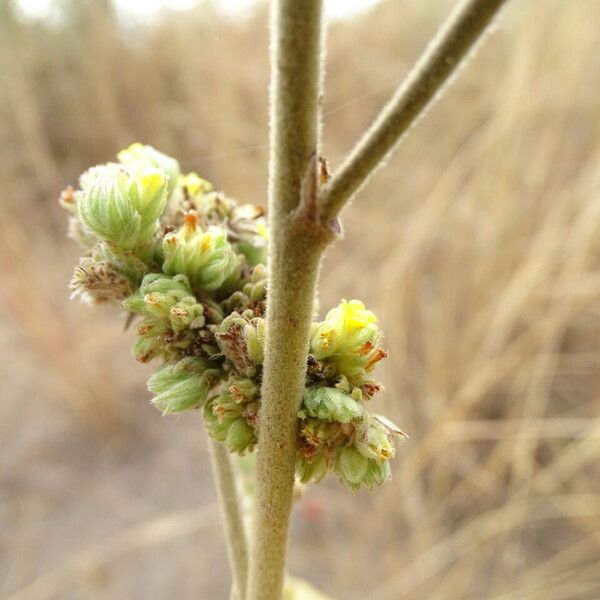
(256, 288)
(348, 337)
(330, 404)
(250, 294)
(219, 421)
(351, 466)
(172, 316)
(311, 469)
(157, 294)
(255, 340)
(149, 346)
(378, 472)
(240, 436)
(140, 157)
(372, 440)
(242, 389)
(169, 299)
(122, 206)
(133, 263)
(213, 312)
(206, 257)
(182, 386)
(236, 302)
(186, 314)
(228, 416)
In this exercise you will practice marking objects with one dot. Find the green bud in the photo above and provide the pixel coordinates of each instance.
(351, 466)
(256, 288)
(255, 340)
(228, 416)
(242, 389)
(250, 293)
(147, 347)
(377, 473)
(133, 263)
(213, 312)
(167, 298)
(140, 157)
(219, 421)
(205, 257)
(330, 404)
(313, 468)
(172, 316)
(372, 440)
(160, 283)
(122, 206)
(182, 386)
(236, 302)
(240, 436)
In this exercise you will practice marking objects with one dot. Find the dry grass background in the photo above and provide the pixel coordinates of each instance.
(478, 245)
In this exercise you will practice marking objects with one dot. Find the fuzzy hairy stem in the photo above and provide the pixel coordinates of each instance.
(444, 54)
(294, 257)
(235, 532)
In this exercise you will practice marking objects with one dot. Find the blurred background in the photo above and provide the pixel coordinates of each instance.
(478, 246)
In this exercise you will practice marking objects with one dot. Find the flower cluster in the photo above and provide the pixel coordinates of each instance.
(189, 264)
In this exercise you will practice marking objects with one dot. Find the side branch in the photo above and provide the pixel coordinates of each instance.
(444, 54)
(235, 532)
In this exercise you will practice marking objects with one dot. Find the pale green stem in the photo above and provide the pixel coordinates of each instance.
(295, 249)
(300, 229)
(444, 54)
(235, 532)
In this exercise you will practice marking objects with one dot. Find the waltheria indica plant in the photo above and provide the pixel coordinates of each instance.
(189, 262)
(224, 304)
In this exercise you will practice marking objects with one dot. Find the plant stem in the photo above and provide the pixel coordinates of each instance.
(294, 257)
(301, 226)
(452, 43)
(235, 532)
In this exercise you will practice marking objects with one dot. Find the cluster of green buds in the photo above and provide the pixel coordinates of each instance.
(188, 264)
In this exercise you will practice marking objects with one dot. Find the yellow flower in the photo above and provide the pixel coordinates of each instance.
(355, 315)
(140, 157)
(195, 184)
(348, 337)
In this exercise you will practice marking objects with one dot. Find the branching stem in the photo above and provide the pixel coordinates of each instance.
(444, 54)
(302, 223)
(235, 532)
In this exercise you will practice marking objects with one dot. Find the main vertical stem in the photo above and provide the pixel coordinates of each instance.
(294, 259)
